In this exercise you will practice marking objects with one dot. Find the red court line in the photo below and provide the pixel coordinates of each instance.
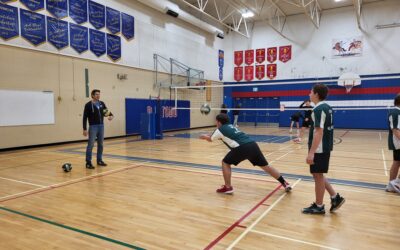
(236, 224)
(63, 184)
(200, 172)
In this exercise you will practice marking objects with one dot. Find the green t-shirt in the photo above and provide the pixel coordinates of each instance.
(394, 123)
(231, 136)
(322, 117)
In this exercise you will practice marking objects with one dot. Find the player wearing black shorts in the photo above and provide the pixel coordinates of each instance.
(306, 119)
(320, 144)
(394, 144)
(295, 118)
(242, 148)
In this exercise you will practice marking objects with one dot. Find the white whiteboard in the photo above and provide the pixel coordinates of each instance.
(26, 107)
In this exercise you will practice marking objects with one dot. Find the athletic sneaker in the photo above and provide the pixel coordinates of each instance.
(297, 140)
(336, 203)
(101, 163)
(225, 190)
(288, 188)
(394, 185)
(89, 165)
(314, 209)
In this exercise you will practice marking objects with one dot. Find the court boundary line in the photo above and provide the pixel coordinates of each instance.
(384, 163)
(23, 182)
(295, 240)
(66, 183)
(98, 236)
(248, 229)
(236, 223)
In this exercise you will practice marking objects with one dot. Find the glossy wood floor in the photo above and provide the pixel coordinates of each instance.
(161, 195)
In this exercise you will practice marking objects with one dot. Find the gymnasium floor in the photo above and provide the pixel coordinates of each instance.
(161, 195)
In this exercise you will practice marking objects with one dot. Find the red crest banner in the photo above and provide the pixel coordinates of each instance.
(271, 71)
(260, 55)
(238, 58)
(272, 54)
(260, 71)
(248, 73)
(238, 74)
(249, 56)
(285, 53)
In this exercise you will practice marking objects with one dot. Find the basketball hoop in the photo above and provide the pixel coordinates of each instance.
(349, 80)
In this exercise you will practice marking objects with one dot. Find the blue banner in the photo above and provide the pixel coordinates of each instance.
(113, 20)
(6, 1)
(58, 8)
(221, 58)
(128, 26)
(33, 27)
(78, 10)
(78, 37)
(33, 5)
(57, 32)
(97, 42)
(221, 74)
(9, 27)
(97, 15)
(114, 47)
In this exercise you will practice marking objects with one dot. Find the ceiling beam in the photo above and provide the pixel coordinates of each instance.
(357, 7)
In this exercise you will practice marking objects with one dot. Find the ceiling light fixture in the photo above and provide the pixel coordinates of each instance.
(247, 14)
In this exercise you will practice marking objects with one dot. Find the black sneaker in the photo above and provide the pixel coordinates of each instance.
(101, 163)
(314, 209)
(89, 165)
(336, 203)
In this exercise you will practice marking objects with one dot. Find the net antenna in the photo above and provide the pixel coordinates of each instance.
(349, 80)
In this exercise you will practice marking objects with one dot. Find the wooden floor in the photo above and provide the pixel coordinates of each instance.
(161, 195)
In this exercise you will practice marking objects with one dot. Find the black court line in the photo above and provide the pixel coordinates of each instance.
(73, 229)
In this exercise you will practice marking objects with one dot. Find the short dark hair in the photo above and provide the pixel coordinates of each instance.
(94, 92)
(397, 100)
(322, 91)
(222, 118)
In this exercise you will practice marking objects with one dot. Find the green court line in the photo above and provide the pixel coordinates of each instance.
(73, 229)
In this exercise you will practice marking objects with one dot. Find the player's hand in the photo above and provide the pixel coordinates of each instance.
(85, 133)
(306, 119)
(110, 117)
(310, 159)
(203, 137)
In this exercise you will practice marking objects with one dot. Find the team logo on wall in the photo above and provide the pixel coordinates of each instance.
(285, 53)
(238, 58)
(271, 71)
(249, 56)
(260, 72)
(238, 74)
(249, 73)
(272, 54)
(347, 47)
(260, 55)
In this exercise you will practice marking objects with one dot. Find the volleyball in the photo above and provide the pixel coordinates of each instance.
(205, 109)
(106, 112)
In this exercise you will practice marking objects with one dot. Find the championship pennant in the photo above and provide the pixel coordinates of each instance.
(249, 56)
(272, 54)
(260, 55)
(260, 71)
(271, 71)
(238, 58)
(238, 74)
(285, 53)
(248, 73)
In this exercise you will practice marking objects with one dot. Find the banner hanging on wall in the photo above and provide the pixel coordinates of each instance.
(33, 5)
(285, 53)
(78, 10)
(260, 71)
(9, 25)
(271, 71)
(78, 37)
(58, 8)
(33, 26)
(97, 42)
(347, 47)
(260, 55)
(6, 1)
(114, 47)
(272, 54)
(238, 57)
(248, 73)
(238, 74)
(128, 26)
(249, 56)
(113, 20)
(97, 15)
(57, 32)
